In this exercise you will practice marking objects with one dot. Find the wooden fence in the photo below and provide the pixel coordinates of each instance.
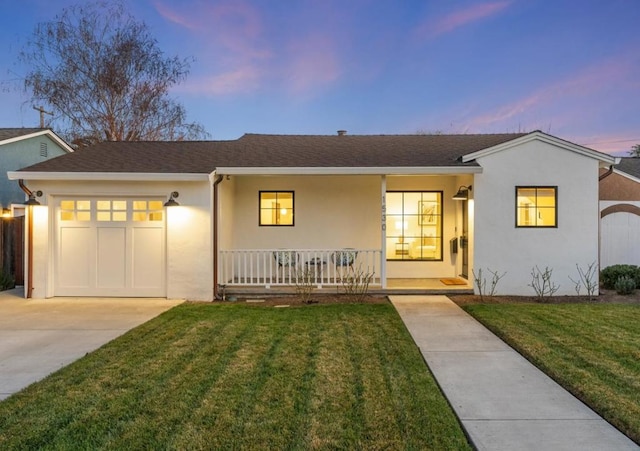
(12, 248)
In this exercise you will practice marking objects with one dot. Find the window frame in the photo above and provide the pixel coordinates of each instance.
(440, 231)
(536, 188)
(276, 192)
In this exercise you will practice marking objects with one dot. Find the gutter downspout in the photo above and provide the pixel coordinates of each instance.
(29, 193)
(219, 179)
(606, 174)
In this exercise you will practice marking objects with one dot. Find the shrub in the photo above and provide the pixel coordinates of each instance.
(542, 283)
(625, 285)
(610, 275)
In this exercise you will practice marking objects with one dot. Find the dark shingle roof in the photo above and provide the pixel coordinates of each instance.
(253, 150)
(9, 133)
(630, 165)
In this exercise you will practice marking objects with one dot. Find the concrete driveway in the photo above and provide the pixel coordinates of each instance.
(40, 336)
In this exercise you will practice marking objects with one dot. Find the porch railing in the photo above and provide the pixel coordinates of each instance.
(282, 267)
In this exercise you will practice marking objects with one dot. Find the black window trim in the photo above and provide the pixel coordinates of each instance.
(441, 259)
(293, 208)
(537, 187)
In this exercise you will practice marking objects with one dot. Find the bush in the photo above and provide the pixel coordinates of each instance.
(625, 285)
(609, 276)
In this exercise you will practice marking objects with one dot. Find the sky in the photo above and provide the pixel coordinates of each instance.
(570, 68)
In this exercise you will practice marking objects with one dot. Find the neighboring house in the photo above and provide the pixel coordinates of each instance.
(21, 147)
(620, 214)
(254, 209)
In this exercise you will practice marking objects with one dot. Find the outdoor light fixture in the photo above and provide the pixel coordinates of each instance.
(6, 213)
(463, 193)
(32, 198)
(172, 200)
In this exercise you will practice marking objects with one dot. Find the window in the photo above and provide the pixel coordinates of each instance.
(414, 225)
(151, 210)
(276, 208)
(75, 210)
(536, 206)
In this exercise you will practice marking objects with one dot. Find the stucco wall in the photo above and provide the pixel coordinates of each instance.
(618, 187)
(330, 212)
(502, 247)
(188, 232)
(20, 154)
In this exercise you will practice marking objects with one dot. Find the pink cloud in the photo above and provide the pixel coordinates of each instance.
(561, 102)
(239, 80)
(460, 18)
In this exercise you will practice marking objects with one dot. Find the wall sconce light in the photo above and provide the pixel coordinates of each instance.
(172, 200)
(32, 198)
(463, 193)
(6, 213)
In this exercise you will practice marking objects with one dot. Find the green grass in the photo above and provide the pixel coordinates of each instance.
(205, 376)
(592, 350)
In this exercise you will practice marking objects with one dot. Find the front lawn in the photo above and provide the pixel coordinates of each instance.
(593, 350)
(237, 376)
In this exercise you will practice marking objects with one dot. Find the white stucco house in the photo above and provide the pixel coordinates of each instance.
(252, 209)
(620, 213)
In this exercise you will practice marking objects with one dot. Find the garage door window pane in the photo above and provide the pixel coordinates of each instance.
(119, 216)
(155, 205)
(83, 205)
(104, 216)
(148, 210)
(67, 205)
(72, 210)
(139, 204)
(103, 205)
(119, 205)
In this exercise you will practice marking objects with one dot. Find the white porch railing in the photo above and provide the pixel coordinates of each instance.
(281, 267)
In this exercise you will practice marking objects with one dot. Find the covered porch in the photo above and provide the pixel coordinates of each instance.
(282, 271)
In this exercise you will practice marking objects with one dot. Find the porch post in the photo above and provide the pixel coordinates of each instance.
(383, 233)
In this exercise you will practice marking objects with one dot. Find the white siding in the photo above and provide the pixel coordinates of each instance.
(620, 239)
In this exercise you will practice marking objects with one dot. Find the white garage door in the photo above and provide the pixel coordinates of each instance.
(619, 239)
(110, 247)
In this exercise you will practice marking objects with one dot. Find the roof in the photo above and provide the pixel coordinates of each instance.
(630, 166)
(275, 151)
(9, 135)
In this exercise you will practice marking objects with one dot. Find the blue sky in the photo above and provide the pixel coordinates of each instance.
(567, 67)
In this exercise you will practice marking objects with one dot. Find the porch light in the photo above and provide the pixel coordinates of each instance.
(6, 213)
(172, 200)
(463, 193)
(32, 198)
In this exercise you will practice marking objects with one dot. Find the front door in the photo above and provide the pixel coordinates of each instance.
(464, 240)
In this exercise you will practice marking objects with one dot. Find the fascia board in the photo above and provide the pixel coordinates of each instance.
(108, 176)
(539, 136)
(49, 133)
(431, 170)
(624, 174)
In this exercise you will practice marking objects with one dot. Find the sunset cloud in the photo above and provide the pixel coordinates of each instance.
(446, 24)
(312, 63)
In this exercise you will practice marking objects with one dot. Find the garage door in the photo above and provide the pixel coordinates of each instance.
(110, 247)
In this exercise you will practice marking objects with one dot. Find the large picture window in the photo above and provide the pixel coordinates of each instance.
(414, 225)
(276, 208)
(536, 206)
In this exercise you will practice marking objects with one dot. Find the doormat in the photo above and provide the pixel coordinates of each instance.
(453, 281)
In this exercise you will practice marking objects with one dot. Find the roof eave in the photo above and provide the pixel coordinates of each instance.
(396, 170)
(603, 158)
(48, 132)
(108, 176)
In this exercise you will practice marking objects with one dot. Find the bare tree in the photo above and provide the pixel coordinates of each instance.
(103, 75)
(635, 151)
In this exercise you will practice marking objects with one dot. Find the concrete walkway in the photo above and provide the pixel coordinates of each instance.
(502, 400)
(40, 336)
